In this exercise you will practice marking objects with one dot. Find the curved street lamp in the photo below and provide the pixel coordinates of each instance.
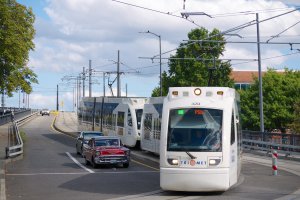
(160, 78)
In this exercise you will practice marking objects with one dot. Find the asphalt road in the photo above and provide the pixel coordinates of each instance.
(51, 169)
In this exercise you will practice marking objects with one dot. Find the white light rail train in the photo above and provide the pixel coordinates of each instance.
(195, 130)
(200, 147)
(113, 116)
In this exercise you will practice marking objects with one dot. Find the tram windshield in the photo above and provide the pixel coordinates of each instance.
(195, 129)
(139, 113)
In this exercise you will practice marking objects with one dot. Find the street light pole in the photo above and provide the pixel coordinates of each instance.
(261, 107)
(160, 78)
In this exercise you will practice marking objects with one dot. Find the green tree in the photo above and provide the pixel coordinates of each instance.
(280, 92)
(295, 126)
(16, 41)
(197, 63)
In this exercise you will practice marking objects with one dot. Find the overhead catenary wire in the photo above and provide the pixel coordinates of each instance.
(157, 11)
(272, 37)
(245, 25)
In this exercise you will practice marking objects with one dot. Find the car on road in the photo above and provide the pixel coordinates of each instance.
(45, 112)
(83, 139)
(106, 150)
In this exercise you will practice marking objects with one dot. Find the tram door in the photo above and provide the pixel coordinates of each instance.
(156, 133)
(233, 147)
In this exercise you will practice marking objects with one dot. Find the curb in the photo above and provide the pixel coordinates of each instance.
(71, 134)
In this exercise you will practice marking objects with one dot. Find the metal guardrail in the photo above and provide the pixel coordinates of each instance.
(15, 142)
(286, 144)
(18, 114)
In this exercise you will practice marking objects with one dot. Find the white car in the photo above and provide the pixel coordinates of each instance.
(45, 112)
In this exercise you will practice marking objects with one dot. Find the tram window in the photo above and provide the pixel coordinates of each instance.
(147, 126)
(113, 125)
(120, 121)
(195, 129)
(129, 118)
(232, 140)
(139, 113)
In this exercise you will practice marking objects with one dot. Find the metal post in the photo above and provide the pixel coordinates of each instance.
(160, 81)
(90, 78)
(118, 75)
(261, 111)
(274, 162)
(104, 84)
(83, 82)
(74, 104)
(77, 94)
(57, 103)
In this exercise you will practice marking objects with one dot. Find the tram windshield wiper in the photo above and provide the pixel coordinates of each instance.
(192, 157)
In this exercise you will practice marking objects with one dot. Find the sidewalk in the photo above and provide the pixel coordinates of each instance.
(66, 122)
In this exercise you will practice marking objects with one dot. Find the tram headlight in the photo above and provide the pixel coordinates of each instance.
(173, 161)
(197, 91)
(214, 161)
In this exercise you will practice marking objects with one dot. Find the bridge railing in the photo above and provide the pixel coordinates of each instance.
(18, 114)
(15, 142)
(287, 144)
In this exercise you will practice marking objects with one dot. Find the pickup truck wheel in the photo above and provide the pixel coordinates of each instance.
(125, 165)
(78, 153)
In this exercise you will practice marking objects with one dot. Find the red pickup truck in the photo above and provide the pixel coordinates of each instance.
(105, 150)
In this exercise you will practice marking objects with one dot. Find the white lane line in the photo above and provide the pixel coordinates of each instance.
(54, 173)
(79, 164)
(138, 196)
(79, 173)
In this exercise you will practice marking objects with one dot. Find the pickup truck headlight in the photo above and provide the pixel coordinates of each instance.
(98, 153)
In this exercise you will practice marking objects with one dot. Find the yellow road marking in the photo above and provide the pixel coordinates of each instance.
(144, 165)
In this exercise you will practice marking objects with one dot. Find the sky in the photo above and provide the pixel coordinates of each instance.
(69, 33)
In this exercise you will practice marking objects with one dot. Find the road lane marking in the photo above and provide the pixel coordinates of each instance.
(138, 196)
(81, 173)
(144, 165)
(79, 164)
(53, 173)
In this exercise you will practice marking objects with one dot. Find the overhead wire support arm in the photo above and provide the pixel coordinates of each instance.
(276, 36)
(245, 25)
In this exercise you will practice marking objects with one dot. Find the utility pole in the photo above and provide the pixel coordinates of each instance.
(104, 84)
(90, 78)
(261, 109)
(83, 82)
(118, 75)
(57, 103)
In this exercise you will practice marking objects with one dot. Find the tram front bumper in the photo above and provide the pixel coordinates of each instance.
(194, 180)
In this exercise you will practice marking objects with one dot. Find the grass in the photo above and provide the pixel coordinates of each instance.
(23, 136)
